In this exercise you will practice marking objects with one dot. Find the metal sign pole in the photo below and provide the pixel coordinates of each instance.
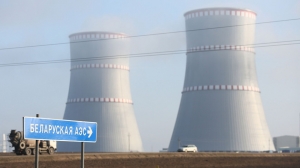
(82, 154)
(37, 150)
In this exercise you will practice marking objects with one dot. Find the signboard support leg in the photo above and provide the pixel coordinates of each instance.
(82, 154)
(37, 150)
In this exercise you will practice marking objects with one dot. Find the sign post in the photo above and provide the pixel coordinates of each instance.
(59, 130)
(82, 154)
(37, 152)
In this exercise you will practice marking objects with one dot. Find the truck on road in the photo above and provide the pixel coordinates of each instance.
(27, 146)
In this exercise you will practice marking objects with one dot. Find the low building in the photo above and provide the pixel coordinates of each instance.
(286, 142)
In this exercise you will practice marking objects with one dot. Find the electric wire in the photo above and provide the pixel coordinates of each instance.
(150, 54)
(153, 34)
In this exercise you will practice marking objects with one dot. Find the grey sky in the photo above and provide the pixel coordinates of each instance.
(156, 82)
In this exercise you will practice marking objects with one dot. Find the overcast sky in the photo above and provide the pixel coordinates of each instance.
(156, 82)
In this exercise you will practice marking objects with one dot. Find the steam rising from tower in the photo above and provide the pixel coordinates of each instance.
(221, 108)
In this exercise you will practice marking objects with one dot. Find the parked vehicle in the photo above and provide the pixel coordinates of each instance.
(188, 148)
(269, 151)
(27, 147)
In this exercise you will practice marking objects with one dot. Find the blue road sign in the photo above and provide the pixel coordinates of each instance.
(59, 130)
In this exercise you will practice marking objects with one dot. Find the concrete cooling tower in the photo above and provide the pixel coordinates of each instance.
(221, 108)
(100, 92)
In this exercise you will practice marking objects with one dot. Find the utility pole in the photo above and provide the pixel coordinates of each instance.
(129, 142)
(269, 144)
(178, 142)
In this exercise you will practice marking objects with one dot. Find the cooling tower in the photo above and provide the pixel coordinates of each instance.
(220, 107)
(100, 92)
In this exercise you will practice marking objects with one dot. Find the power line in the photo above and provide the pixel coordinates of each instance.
(220, 27)
(153, 34)
(139, 55)
(125, 56)
(91, 58)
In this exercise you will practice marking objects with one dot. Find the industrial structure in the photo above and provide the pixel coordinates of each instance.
(220, 107)
(3, 145)
(100, 92)
(287, 142)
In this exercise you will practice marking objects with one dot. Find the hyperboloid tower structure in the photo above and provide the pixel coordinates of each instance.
(100, 92)
(220, 107)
